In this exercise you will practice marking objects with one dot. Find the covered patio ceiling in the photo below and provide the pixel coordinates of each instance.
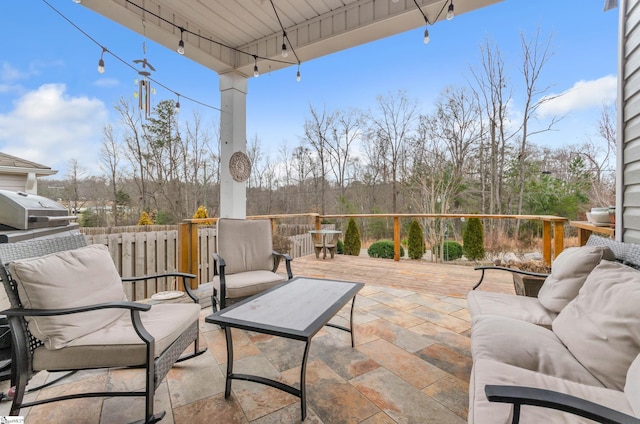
(224, 35)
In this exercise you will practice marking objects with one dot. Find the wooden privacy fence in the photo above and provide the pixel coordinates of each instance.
(156, 252)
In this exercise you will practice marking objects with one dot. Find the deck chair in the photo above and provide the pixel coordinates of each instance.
(245, 262)
(69, 312)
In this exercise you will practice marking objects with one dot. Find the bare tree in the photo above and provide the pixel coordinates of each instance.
(110, 159)
(316, 134)
(536, 55)
(345, 132)
(390, 129)
(75, 175)
(494, 96)
(137, 149)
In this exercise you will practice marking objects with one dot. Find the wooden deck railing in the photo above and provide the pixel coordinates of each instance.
(552, 231)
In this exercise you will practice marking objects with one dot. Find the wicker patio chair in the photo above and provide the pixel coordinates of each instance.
(141, 335)
(245, 262)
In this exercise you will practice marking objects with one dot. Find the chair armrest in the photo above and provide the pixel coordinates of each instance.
(134, 310)
(219, 269)
(276, 262)
(519, 395)
(183, 276)
(502, 268)
(22, 312)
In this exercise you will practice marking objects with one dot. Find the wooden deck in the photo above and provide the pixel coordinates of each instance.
(416, 275)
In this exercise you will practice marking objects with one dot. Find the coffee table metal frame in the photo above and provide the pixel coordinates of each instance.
(226, 321)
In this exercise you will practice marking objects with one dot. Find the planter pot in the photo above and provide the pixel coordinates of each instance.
(525, 285)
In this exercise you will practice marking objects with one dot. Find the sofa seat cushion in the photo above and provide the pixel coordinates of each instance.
(523, 308)
(72, 278)
(486, 371)
(248, 283)
(118, 344)
(601, 326)
(568, 273)
(525, 345)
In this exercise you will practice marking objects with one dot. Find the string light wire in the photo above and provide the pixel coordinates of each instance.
(426, 20)
(285, 36)
(127, 63)
(221, 44)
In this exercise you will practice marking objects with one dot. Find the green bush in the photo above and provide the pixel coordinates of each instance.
(383, 249)
(452, 250)
(340, 247)
(416, 241)
(352, 239)
(473, 240)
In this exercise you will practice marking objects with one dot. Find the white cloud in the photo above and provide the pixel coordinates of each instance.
(9, 73)
(49, 127)
(583, 95)
(106, 82)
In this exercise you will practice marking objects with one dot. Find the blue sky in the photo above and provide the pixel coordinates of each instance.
(54, 104)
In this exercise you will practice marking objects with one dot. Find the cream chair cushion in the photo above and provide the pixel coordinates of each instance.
(68, 279)
(525, 345)
(486, 371)
(568, 273)
(632, 386)
(601, 326)
(245, 256)
(248, 283)
(117, 344)
(523, 308)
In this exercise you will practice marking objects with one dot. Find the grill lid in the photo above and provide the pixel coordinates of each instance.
(24, 211)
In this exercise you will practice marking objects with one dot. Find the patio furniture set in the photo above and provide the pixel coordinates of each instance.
(572, 354)
(69, 311)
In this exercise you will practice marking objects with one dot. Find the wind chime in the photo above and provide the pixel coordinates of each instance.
(144, 84)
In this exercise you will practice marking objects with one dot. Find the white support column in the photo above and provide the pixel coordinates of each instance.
(233, 138)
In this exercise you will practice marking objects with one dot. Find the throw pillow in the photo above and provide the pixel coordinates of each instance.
(568, 273)
(601, 326)
(68, 279)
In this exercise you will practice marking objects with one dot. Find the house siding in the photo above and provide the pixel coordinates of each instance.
(13, 182)
(629, 122)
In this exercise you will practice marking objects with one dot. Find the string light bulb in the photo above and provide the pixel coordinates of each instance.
(180, 48)
(426, 36)
(101, 61)
(77, 1)
(450, 12)
(177, 108)
(256, 73)
(298, 74)
(285, 52)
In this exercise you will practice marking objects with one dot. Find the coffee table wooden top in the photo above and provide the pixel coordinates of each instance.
(297, 309)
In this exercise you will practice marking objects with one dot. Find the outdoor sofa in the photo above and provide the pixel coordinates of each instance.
(572, 354)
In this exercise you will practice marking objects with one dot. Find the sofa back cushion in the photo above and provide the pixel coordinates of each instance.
(632, 386)
(568, 273)
(68, 279)
(601, 326)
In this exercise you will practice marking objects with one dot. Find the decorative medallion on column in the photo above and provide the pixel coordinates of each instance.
(239, 167)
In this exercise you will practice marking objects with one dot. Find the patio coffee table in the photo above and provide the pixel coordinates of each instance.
(297, 310)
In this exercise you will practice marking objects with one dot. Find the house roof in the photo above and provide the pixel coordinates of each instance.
(15, 165)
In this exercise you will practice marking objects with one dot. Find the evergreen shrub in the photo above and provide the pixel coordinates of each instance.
(383, 249)
(452, 250)
(340, 247)
(416, 241)
(473, 240)
(352, 239)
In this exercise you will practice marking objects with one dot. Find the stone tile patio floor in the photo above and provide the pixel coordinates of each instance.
(411, 364)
